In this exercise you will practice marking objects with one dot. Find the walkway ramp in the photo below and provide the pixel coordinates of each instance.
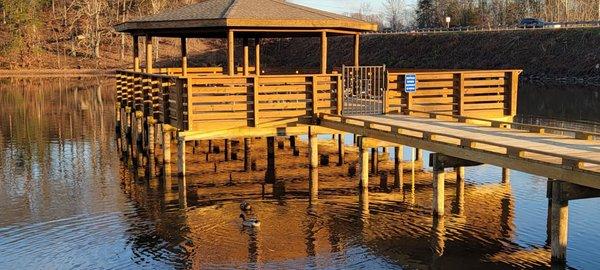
(573, 158)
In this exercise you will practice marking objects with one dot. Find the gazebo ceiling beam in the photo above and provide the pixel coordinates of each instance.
(241, 33)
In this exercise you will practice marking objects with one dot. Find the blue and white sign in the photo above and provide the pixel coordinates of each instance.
(410, 83)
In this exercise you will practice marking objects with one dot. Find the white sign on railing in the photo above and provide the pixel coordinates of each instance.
(410, 83)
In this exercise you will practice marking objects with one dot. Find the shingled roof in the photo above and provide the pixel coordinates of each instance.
(211, 15)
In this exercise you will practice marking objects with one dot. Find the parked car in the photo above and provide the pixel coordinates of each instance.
(531, 23)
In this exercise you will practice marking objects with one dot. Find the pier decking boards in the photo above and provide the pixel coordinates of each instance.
(553, 156)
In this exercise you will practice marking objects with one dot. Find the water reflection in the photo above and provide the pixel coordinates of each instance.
(68, 198)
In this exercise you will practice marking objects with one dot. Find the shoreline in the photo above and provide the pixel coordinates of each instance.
(16, 73)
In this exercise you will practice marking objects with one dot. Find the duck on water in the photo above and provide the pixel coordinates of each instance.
(248, 221)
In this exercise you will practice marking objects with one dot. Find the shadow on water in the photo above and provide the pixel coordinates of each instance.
(68, 200)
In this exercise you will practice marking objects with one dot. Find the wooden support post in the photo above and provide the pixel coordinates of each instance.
(166, 146)
(151, 137)
(181, 157)
(247, 154)
(184, 64)
(460, 191)
(364, 166)
(439, 176)
(136, 53)
(270, 175)
(246, 58)
(505, 175)
(418, 155)
(374, 160)
(230, 53)
(227, 151)
(257, 56)
(313, 144)
(149, 54)
(182, 187)
(293, 143)
(323, 52)
(341, 149)
(398, 168)
(460, 173)
(559, 224)
(357, 50)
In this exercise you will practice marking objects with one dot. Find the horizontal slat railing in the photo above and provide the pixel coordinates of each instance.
(471, 93)
(235, 101)
(158, 96)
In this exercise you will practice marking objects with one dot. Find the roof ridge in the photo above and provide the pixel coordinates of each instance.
(232, 3)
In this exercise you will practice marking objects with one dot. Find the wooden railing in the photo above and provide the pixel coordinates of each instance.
(210, 102)
(468, 93)
(218, 101)
(215, 101)
(157, 96)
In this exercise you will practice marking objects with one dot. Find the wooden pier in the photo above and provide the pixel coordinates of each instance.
(463, 116)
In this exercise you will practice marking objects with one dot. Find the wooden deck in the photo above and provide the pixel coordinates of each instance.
(573, 158)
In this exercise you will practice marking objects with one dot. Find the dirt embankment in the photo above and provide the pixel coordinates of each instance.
(572, 55)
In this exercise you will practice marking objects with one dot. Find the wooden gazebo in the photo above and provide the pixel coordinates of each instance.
(206, 103)
(245, 19)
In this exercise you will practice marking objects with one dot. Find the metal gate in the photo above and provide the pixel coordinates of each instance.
(364, 89)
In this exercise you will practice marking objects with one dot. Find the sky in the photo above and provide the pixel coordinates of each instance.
(342, 6)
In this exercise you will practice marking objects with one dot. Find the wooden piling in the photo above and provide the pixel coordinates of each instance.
(460, 192)
(341, 149)
(247, 154)
(227, 152)
(313, 144)
(181, 157)
(439, 176)
(151, 136)
(505, 175)
(374, 160)
(166, 146)
(438, 192)
(559, 224)
(364, 166)
(293, 143)
(398, 168)
(460, 174)
(270, 175)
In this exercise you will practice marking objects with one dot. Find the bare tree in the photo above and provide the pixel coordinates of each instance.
(393, 10)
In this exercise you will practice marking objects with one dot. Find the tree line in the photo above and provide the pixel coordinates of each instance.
(482, 13)
(79, 28)
(84, 28)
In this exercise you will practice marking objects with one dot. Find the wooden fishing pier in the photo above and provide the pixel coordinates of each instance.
(463, 116)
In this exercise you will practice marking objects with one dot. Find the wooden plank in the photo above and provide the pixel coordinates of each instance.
(199, 115)
(493, 82)
(469, 99)
(433, 84)
(282, 114)
(484, 90)
(232, 107)
(219, 98)
(472, 106)
(195, 91)
(471, 75)
(282, 105)
(285, 97)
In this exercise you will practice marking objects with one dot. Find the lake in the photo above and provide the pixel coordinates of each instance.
(69, 199)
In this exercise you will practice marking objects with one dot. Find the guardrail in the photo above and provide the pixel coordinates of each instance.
(559, 25)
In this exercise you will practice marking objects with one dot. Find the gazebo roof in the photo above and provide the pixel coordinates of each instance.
(215, 17)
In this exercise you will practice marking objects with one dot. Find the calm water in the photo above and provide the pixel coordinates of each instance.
(67, 200)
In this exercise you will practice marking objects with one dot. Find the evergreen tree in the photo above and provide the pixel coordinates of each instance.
(426, 14)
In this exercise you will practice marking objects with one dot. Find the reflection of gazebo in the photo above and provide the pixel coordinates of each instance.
(242, 19)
